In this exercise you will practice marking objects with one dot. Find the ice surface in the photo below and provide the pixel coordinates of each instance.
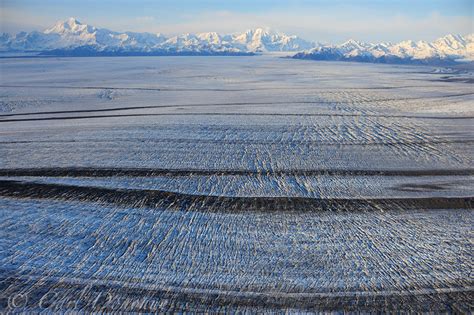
(158, 180)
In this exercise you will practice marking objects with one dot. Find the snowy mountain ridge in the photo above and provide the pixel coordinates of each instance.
(73, 37)
(71, 33)
(447, 48)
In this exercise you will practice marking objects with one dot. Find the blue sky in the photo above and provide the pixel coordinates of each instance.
(319, 20)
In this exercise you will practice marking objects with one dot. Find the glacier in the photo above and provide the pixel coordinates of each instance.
(249, 184)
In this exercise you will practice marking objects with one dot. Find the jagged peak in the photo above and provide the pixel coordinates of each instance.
(264, 30)
(353, 45)
(261, 29)
(453, 37)
(69, 25)
(351, 41)
(208, 34)
(258, 31)
(73, 21)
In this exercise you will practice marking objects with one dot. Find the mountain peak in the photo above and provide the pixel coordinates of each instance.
(72, 21)
(263, 30)
(451, 40)
(351, 41)
(265, 39)
(353, 45)
(453, 37)
(258, 31)
(70, 25)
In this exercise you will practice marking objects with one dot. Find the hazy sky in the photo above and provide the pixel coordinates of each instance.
(318, 20)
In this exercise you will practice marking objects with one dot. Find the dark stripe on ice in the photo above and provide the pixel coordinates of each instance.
(234, 104)
(229, 114)
(149, 172)
(247, 142)
(153, 107)
(188, 202)
(167, 89)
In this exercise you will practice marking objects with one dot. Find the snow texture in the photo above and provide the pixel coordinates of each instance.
(234, 184)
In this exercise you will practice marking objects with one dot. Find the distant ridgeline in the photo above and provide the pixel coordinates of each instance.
(92, 51)
(72, 38)
(386, 59)
(449, 49)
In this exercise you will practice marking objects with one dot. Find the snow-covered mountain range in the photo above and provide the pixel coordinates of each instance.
(71, 37)
(449, 48)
